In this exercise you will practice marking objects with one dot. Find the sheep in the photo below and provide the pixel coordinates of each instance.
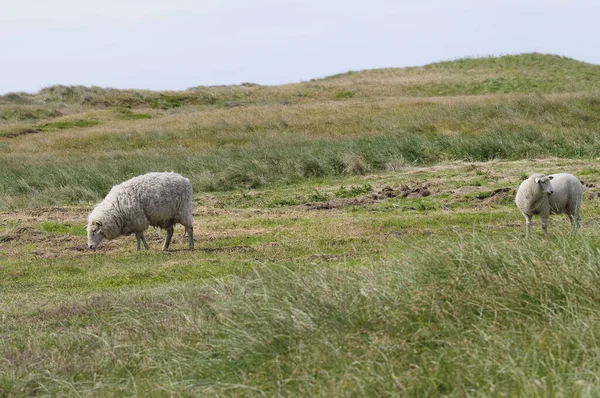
(153, 199)
(537, 195)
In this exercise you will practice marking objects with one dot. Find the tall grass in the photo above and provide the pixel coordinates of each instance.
(472, 315)
(80, 179)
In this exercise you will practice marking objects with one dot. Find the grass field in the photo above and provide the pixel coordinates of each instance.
(356, 236)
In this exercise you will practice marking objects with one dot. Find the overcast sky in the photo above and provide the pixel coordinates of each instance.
(177, 44)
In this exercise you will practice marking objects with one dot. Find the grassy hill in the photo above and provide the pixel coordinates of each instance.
(357, 236)
(247, 136)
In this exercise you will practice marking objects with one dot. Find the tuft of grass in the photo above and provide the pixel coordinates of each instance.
(344, 94)
(165, 101)
(127, 114)
(281, 202)
(590, 171)
(318, 196)
(353, 191)
(68, 124)
(62, 228)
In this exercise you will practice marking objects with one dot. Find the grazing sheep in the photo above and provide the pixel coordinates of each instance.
(537, 195)
(153, 199)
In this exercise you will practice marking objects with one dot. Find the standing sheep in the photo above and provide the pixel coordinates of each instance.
(537, 195)
(153, 199)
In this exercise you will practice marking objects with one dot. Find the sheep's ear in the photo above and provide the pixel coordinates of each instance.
(85, 226)
(550, 177)
(537, 180)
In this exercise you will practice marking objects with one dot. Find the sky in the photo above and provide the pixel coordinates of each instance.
(178, 44)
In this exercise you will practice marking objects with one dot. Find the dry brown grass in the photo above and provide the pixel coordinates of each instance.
(221, 128)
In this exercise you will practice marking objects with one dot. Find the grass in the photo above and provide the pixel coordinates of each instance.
(63, 228)
(355, 236)
(353, 191)
(284, 161)
(463, 318)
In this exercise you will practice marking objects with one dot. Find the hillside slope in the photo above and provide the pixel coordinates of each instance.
(524, 73)
(77, 141)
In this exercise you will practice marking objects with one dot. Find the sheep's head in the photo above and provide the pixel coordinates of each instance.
(544, 184)
(94, 234)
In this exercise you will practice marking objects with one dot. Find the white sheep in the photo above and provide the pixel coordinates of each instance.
(538, 195)
(153, 199)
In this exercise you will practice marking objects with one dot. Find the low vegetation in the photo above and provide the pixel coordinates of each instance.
(357, 236)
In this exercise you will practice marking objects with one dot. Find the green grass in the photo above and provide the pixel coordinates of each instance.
(62, 228)
(368, 300)
(126, 114)
(68, 124)
(77, 178)
(321, 268)
(235, 150)
(472, 314)
(353, 191)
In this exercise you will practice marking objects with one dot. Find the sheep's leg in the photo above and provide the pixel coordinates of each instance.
(190, 233)
(168, 239)
(144, 242)
(528, 223)
(545, 225)
(577, 217)
(576, 220)
(571, 220)
(140, 237)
